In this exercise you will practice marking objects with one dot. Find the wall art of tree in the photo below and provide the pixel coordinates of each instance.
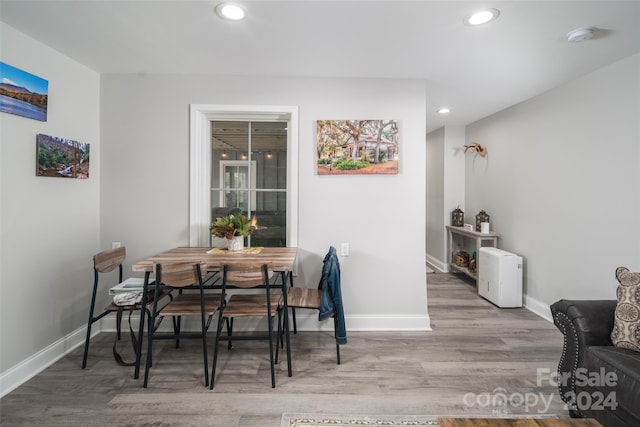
(357, 146)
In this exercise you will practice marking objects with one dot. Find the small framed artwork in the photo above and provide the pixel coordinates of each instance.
(357, 147)
(22, 93)
(62, 158)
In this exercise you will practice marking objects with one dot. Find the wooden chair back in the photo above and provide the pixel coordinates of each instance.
(106, 261)
(248, 275)
(179, 275)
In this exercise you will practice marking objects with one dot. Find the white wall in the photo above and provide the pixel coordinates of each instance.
(435, 198)
(561, 183)
(50, 226)
(454, 174)
(145, 134)
(445, 188)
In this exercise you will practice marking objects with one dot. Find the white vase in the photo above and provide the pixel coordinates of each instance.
(235, 244)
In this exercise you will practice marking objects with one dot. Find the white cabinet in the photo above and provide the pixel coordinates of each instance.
(500, 277)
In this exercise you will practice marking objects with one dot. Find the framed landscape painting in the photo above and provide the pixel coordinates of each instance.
(62, 158)
(362, 147)
(23, 94)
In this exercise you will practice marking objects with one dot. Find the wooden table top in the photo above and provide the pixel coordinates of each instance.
(518, 422)
(281, 258)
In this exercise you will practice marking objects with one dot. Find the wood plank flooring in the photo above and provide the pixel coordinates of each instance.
(475, 355)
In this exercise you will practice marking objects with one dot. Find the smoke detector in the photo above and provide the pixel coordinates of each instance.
(581, 34)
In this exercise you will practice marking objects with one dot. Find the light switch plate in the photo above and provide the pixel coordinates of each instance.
(344, 249)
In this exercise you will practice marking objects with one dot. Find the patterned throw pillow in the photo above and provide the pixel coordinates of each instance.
(626, 325)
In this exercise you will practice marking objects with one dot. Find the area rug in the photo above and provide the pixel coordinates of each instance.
(329, 420)
(324, 420)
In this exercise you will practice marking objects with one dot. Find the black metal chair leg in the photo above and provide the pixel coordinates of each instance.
(143, 305)
(148, 323)
(279, 335)
(293, 309)
(229, 333)
(271, 358)
(91, 319)
(293, 316)
(204, 351)
(281, 328)
(177, 330)
(86, 345)
(335, 334)
(149, 351)
(215, 353)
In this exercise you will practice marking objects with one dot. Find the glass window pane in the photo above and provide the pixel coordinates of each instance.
(229, 141)
(249, 174)
(272, 219)
(269, 150)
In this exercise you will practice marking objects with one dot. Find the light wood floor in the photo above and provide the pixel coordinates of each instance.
(475, 355)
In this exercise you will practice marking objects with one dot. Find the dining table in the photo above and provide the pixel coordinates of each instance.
(282, 260)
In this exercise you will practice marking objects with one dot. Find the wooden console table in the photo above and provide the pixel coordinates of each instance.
(479, 238)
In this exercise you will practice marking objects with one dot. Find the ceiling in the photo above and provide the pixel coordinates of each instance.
(475, 71)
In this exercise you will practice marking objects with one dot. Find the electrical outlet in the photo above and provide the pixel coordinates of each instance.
(344, 249)
(115, 245)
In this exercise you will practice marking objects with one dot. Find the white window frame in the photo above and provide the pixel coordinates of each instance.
(200, 119)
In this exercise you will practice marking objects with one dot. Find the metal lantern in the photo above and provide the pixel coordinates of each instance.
(457, 217)
(480, 218)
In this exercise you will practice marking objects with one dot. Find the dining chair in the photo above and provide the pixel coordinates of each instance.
(329, 289)
(263, 304)
(181, 276)
(105, 262)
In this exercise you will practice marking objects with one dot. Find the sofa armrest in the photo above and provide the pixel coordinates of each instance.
(592, 320)
(583, 324)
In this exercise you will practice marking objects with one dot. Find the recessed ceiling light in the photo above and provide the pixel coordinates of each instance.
(444, 110)
(231, 11)
(580, 34)
(482, 17)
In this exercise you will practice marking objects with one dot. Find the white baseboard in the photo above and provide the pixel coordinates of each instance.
(367, 323)
(306, 320)
(437, 264)
(541, 309)
(389, 322)
(32, 366)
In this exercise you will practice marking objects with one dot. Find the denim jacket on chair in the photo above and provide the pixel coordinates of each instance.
(331, 295)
